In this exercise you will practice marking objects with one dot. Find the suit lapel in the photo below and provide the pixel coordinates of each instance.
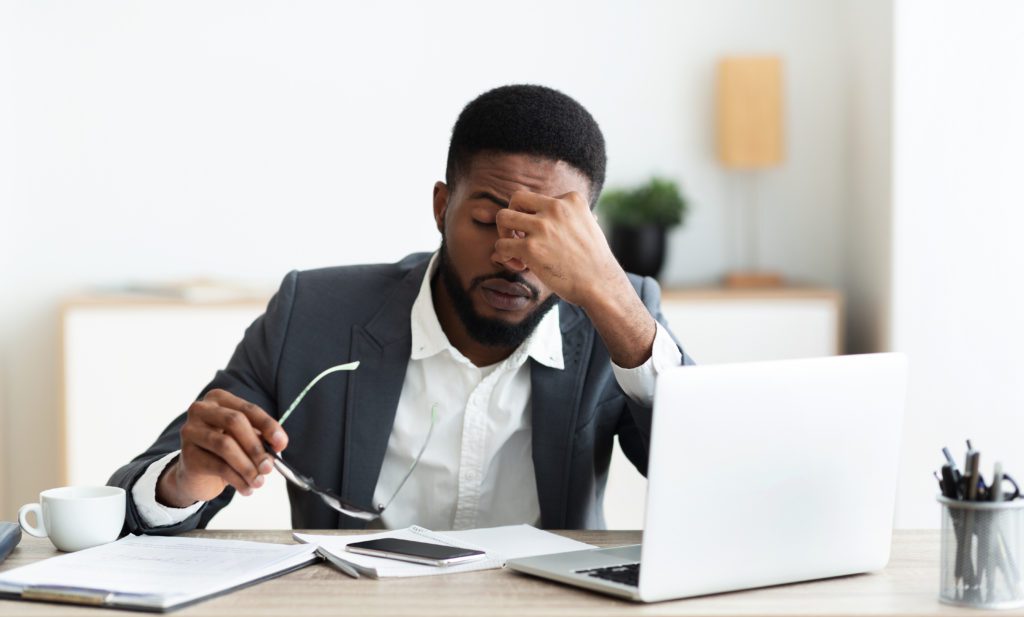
(383, 348)
(555, 397)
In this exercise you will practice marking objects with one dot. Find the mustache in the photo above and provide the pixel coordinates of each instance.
(511, 277)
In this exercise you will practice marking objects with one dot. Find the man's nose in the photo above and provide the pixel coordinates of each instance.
(512, 265)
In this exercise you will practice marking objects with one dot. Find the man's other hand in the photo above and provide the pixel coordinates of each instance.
(220, 445)
(559, 240)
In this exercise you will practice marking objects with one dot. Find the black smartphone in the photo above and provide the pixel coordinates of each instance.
(416, 552)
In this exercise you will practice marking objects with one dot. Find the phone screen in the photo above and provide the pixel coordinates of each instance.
(425, 550)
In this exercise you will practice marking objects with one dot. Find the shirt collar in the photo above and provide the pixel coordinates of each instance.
(544, 345)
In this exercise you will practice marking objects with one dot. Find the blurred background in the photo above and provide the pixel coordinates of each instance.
(147, 144)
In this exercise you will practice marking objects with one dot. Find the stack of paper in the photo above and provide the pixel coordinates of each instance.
(153, 572)
(500, 544)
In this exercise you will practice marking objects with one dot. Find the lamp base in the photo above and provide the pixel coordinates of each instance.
(751, 278)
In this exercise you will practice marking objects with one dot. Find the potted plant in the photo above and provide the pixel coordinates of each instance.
(638, 218)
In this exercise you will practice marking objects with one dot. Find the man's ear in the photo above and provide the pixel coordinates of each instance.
(440, 204)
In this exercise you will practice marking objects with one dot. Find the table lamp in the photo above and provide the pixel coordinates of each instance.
(749, 140)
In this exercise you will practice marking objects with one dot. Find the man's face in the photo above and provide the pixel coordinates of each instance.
(498, 306)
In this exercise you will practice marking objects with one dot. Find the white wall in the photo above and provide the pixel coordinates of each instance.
(149, 141)
(958, 299)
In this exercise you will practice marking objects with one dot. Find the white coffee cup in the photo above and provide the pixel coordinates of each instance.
(76, 517)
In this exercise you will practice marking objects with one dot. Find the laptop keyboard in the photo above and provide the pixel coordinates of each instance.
(626, 574)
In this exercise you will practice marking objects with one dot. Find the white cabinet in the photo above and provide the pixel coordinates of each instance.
(735, 325)
(732, 325)
(131, 365)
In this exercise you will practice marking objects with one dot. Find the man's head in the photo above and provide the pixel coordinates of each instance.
(508, 139)
(533, 120)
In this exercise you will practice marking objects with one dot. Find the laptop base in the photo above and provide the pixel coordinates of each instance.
(566, 567)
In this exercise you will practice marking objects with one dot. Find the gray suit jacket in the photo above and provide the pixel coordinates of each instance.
(320, 318)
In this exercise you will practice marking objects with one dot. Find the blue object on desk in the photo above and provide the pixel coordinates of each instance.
(10, 535)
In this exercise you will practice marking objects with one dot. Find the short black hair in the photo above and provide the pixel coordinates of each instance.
(533, 120)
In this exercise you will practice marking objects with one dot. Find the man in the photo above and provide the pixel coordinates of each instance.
(521, 348)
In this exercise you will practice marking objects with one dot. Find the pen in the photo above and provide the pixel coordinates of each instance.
(971, 473)
(995, 493)
(948, 484)
(952, 464)
(949, 457)
(955, 490)
(966, 549)
(950, 490)
(337, 563)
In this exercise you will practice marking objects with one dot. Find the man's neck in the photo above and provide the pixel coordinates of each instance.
(458, 335)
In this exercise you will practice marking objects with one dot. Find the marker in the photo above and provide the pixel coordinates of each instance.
(948, 483)
(949, 458)
(952, 466)
(973, 462)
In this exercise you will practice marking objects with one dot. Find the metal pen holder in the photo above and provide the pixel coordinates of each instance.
(982, 553)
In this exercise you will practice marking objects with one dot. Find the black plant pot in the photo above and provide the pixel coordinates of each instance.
(640, 250)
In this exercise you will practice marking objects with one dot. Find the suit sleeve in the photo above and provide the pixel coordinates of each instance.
(634, 428)
(250, 374)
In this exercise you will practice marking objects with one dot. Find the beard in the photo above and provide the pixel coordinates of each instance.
(490, 331)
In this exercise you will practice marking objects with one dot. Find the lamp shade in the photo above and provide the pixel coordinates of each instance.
(749, 107)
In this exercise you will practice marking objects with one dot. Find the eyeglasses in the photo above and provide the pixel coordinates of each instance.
(329, 497)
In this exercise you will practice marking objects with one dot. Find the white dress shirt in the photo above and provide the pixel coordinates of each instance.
(477, 470)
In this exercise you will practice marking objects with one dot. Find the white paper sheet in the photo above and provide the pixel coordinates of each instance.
(516, 541)
(500, 544)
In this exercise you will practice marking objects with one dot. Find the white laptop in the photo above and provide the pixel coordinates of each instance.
(759, 474)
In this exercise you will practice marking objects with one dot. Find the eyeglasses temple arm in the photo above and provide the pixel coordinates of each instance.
(351, 366)
(423, 448)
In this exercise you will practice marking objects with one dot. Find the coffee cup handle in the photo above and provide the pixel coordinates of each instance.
(40, 531)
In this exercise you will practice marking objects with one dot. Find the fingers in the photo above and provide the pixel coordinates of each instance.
(512, 252)
(237, 425)
(511, 221)
(513, 249)
(227, 435)
(218, 438)
(214, 464)
(223, 437)
(533, 225)
(535, 203)
(529, 202)
(267, 426)
(531, 213)
(514, 226)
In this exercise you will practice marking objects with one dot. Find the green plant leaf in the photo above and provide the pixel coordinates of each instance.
(658, 202)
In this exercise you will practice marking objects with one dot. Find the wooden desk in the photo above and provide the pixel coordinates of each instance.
(909, 586)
